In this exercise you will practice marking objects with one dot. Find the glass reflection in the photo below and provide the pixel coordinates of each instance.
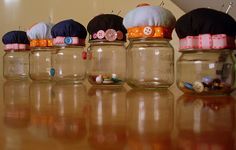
(107, 118)
(150, 115)
(16, 103)
(205, 122)
(67, 122)
(41, 106)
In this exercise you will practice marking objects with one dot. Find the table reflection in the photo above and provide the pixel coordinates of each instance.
(41, 107)
(16, 104)
(205, 122)
(67, 122)
(150, 115)
(107, 118)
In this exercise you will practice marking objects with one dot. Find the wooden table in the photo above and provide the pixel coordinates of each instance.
(49, 116)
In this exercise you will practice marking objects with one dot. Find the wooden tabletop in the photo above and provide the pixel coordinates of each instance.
(66, 116)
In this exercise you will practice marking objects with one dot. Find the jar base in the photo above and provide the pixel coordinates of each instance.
(148, 85)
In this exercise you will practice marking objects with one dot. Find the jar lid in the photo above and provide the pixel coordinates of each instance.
(205, 28)
(149, 21)
(40, 35)
(15, 40)
(68, 32)
(107, 27)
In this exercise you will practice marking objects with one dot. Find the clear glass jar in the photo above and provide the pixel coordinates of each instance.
(106, 63)
(68, 64)
(41, 63)
(16, 64)
(206, 72)
(150, 63)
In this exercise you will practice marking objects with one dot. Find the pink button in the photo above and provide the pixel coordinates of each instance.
(100, 34)
(111, 35)
(120, 35)
(95, 36)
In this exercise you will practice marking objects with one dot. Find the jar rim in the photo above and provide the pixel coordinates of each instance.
(204, 50)
(105, 41)
(149, 39)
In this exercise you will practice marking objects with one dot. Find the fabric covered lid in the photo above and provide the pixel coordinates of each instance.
(107, 27)
(69, 32)
(15, 40)
(40, 30)
(40, 35)
(14, 37)
(149, 21)
(205, 28)
(205, 21)
(69, 28)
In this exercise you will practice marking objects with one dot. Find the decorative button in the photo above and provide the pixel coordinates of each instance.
(52, 72)
(198, 87)
(99, 79)
(95, 36)
(111, 35)
(120, 35)
(100, 34)
(148, 31)
(68, 40)
(84, 55)
(188, 85)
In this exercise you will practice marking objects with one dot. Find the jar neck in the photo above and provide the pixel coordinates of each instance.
(103, 42)
(205, 51)
(16, 51)
(149, 40)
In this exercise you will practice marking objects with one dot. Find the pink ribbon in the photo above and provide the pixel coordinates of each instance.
(60, 40)
(207, 41)
(16, 46)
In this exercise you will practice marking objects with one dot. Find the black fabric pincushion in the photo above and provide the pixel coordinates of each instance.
(107, 26)
(69, 28)
(14, 37)
(205, 21)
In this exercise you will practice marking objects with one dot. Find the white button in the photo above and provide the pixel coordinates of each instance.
(198, 87)
(147, 31)
(99, 79)
(100, 34)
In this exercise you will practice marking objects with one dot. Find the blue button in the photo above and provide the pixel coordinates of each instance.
(68, 40)
(188, 85)
(52, 72)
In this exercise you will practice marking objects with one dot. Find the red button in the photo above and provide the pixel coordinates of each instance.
(111, 35)
(100, 34)
(120, 35)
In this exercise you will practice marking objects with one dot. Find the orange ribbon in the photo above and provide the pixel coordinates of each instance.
(149, 31)
(41, 43)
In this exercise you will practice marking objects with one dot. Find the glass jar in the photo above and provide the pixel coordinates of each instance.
(40, 63)
(16, 64)
(68, 64)
(150, 63)
(106, 63)
(206, 72)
